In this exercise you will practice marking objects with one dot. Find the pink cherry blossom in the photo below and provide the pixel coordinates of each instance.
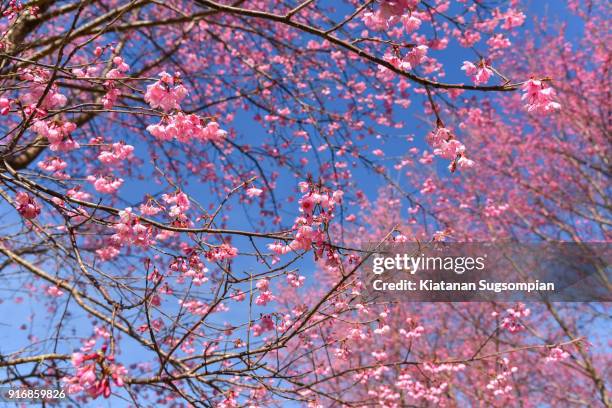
(449, 149)
(58, 134)
(149, 208)
(265, 324)
(428, 186)
(295, 280)
(238, 296)
(557, 354)
(512, 322)
(186, 128)
(254, 192)
(129, 230)
(539, 97)
(93, 372)
(166, 93)
(52, 164)
(465, 163)
(54, 291)
(5, 106)
(479, 74)
(500, 384)
(37, 79)
(121, 65)
(513, 18)
(416, 56)
(221, 253)
(26, 205)
(467, 38)
(116, 153)
(106, 184)
(411, 23)
(179, 204)
(110, 98)
(499, 41)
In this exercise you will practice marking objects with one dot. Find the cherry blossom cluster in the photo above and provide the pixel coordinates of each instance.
(5, 106)
(494, 210)
(120, 68)
(383, 328)
(317, 209)
(13, 9)
(179, 204)
(444, 367)
(419, 391)
(38, 79)
(166, 93)
(265, 295)
(414, 329)
(54, 291)
(195, 307)
(129, 230)
(106, 184)
(498, 42)
(221, 252)
(55, 165)
(112, 94)
(556, 354)
(116, 153)
(539, 97)
(191, 267)
(94, 372)
(511, 18)
(229, 400)
(385, 396)
(265, 324)
(479, 73)
(149, 208)
(512, 321)
(238, 295)
(186, 127)
(392, 12)
(500, 384)
(342, 351)
(57, 133)
(295, 280)
(253, 192)
(26, 205)
(108, 251)
(448, 147)
(156, 325)
(416, 56)
(428, 186)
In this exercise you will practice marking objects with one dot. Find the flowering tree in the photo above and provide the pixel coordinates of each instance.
(183, 198)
